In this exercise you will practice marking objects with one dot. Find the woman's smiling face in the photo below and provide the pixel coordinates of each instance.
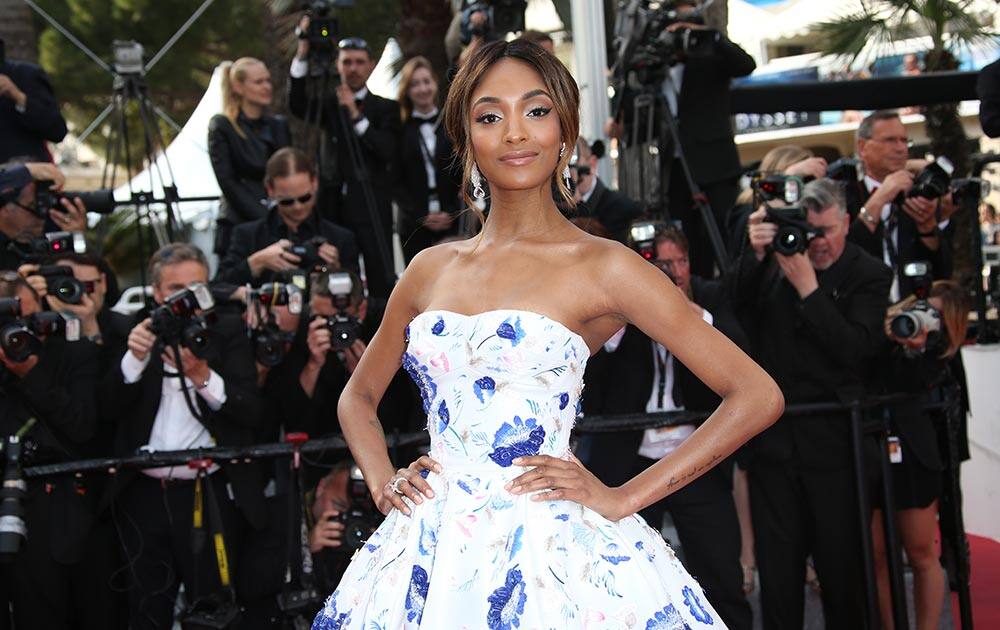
(515, 130)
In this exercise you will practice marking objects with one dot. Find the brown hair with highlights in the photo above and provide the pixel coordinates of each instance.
(559, 84)
(405, 76)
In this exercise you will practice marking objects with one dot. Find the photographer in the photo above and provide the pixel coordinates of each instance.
(260, 251)
(163, 400)
(427, 184)
(814, 318)
(696, 89)
(373, 123)
(923, 333)
(29, 113)
(240, 141)
(20, 217)
(635, 374)
(891, 225)
(610, 207)
(56, 580)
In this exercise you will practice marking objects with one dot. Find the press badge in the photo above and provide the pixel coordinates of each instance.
(895, 450)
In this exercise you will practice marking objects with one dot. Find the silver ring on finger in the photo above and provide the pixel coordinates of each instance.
(394, 485)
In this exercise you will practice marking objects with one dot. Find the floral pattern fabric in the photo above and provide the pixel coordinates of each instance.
(496, 386)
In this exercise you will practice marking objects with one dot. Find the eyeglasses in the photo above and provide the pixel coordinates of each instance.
(287, 202)
(894, 140)
(352, 43)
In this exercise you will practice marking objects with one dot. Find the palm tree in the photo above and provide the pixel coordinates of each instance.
(950, 25)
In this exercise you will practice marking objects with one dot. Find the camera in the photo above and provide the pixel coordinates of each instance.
(270, 342)
(49, 245)
(921, 315)
(183, 319)
(308, 253)
(502, 17)
(13, 530)
(101, 201)
(323, 32)
(934, 181)
(63, 284)
(787, 188)
(344, 329)
(19, 336)
(361, 518)
(642, 235)
(794, 231)
(846, 170)
(969, 191)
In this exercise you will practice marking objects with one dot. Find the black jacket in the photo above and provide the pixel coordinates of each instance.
(25, 134)
(412, 192)
(254, 236)
(133, 407)
(621, 382)
(816, 349)
(704, 113)
(613, 209)
(988, 88)
(239, 161)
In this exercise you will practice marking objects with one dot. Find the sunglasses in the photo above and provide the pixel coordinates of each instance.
(352, 43)
(287, 202)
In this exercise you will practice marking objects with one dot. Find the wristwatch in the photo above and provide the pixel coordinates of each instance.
(867, 217)
(205, 384)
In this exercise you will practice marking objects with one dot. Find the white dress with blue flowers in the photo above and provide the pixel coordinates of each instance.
(496, 386)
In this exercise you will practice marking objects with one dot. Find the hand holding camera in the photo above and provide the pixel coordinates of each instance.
(275, 257)
(302, 31)
(923, 212)
(319, 341)
(814, 167)
(195, 369)
(760, 232)
(141, 340)
(891, 187)
(72, 216)
(327, 533)
(345, 96)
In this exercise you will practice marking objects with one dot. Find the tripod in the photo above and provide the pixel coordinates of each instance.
(644, 174)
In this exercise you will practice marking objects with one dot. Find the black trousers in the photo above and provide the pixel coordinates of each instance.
(155, 520)
(705, 517)
(356, 216)
(721, 197)
(798, 512)
(73, 591)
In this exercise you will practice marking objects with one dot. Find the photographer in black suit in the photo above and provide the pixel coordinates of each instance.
(610, 207)
(54, 581)
(814, 320)
(259, 250)
(216, 404)
(892, 226)
(29, 113)
(634, 374)
(697, 91)
(374, 123)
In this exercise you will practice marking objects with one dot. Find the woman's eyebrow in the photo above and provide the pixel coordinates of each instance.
(524, 97)
(534, 93)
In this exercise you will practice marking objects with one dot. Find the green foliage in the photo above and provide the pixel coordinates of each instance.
(228, 29)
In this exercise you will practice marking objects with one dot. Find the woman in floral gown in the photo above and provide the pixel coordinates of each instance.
(500, 526)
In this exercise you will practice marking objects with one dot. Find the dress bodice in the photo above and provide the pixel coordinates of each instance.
(496, 385)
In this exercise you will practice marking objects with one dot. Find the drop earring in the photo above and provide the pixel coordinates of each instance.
(565, 173)
(476, 178)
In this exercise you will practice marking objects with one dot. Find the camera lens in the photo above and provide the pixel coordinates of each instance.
(789, 241)
(904, 325)
(18, 343)
(69, 290)
(196, 338)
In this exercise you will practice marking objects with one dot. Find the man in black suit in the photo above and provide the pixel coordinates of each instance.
(54, 581)
(891, 226)
(216, 404)
(374, 123)
(814, 320)
(988, 88)
(635, 374)
(258, 250)
(611, 208)
(29, 113)
(696, 90)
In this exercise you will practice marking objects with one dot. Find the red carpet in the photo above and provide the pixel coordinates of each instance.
(985, 584)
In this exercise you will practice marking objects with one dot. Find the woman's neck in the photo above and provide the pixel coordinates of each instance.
(252, 110)
(426, 109)
(520, 214)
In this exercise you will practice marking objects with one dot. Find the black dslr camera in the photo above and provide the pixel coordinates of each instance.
(920, 315)
(344, 329)
(270, 343)
(183, 320)
(846, 170)
(934, 181)
(323, 32)
(49, 245)
(101, 201)
(647, 50)
(63, 284)
(308, 253)
(502, 17)
(20, 336)
(361, 518)
(794, 230)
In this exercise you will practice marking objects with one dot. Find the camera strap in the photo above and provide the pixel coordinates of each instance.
(298, 558)
(204, 491)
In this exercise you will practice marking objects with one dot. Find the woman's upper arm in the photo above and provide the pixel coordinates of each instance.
(643, 295)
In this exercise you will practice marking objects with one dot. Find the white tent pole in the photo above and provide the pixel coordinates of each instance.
(591, 72)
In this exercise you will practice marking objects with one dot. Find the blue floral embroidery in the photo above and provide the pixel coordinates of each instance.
(417, 593)
(562, 517)
(484, 387)
(443, 417)
(428, 389)
(522, 438)
(615, 560)
(438, 327)
(330, 619)
(511, 332)
(507, 603)
(666, 619)
(563, 400)
(693, 603)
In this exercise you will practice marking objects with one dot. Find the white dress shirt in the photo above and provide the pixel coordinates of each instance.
(428, 132)
(672, 92)
(174, 427)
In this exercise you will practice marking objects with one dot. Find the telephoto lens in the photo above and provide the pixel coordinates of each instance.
(16, 338)
(13, 529)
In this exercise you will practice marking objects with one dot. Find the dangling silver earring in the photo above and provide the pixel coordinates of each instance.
(477, 182)
(565, 173)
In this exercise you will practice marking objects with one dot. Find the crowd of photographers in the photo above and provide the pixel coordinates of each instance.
(838, 286)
